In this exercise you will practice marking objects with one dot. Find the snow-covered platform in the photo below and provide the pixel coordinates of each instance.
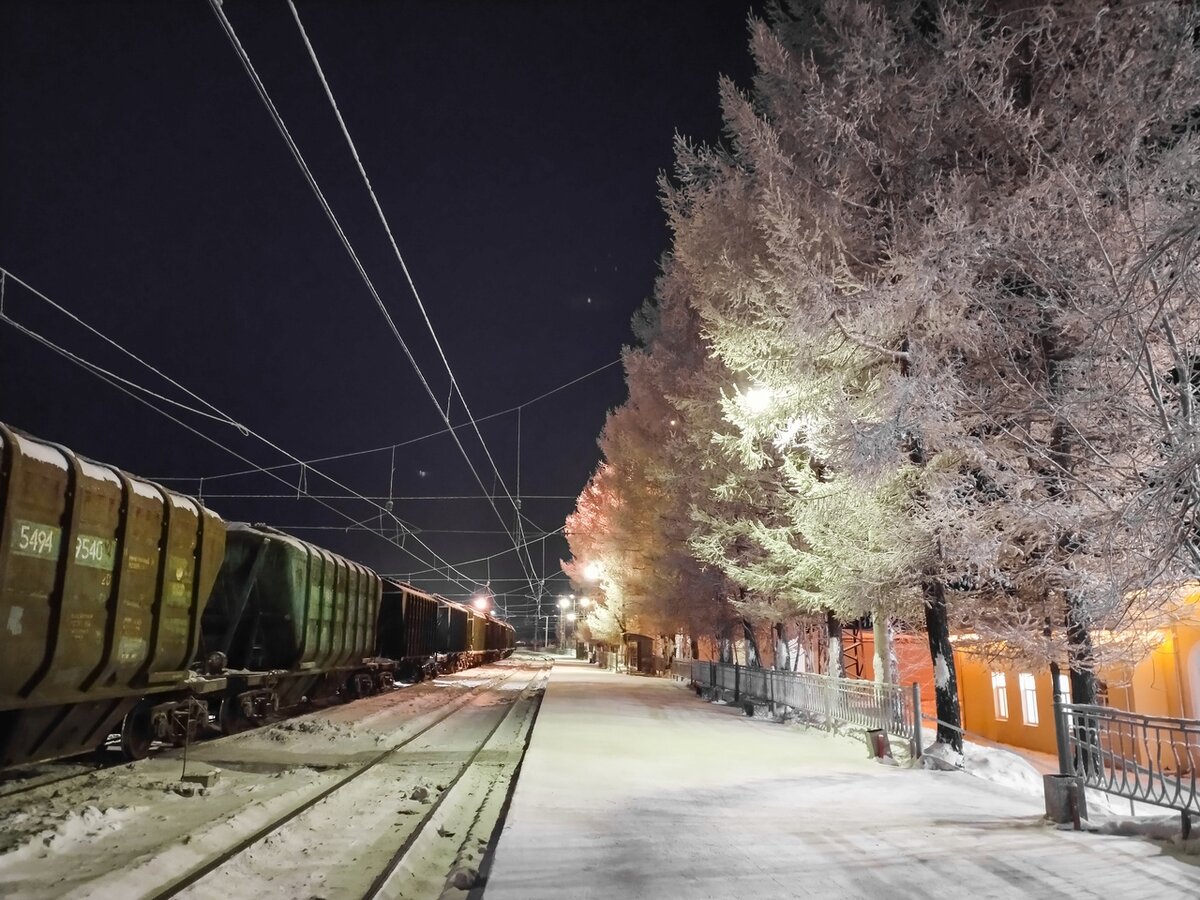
(633, 787)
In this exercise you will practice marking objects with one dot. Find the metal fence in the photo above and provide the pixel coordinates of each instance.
(1148, 758)
(893, 708)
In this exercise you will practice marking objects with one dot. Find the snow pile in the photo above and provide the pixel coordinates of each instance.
(1001, 767)
(78, 826)
(285, 732)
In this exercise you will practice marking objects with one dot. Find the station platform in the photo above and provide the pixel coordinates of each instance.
(633, 787)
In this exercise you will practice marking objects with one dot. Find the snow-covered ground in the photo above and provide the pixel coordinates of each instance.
(633, 787)
(125, 832)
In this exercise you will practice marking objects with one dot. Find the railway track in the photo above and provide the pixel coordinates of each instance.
(446, 834)
(13, 786)
(367, 822)
(475, 800)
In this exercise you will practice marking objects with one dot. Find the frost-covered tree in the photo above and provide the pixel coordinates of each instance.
(954, 249)
(920, 239)
(646, 488)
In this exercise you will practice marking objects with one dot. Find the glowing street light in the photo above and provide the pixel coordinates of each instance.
(592, 571)
(569, 602)
(584, 602)
(481, 602)
(757, 399)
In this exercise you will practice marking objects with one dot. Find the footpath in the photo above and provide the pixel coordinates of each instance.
(633, 787)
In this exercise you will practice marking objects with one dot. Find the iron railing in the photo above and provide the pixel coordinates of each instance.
(1153, 759)
(893, 708)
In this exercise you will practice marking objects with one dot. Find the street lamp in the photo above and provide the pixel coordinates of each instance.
(757, 399)
(575, 604)
(563, 604)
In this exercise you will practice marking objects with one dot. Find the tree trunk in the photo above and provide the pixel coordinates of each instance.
(937, 623)
(725, 650)
(1079, 657)
(783, 656)
(753, 658)
(1079, 640)
(945, 680)
(893, 660)
(833, 626)
(883, 656)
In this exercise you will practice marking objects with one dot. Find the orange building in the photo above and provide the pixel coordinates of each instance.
(1015, 705)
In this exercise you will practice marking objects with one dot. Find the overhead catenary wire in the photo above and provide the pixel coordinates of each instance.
(394, 447)
(454, 387)
(545, 536)
(141, 393)
(315, 187)
(376, 497)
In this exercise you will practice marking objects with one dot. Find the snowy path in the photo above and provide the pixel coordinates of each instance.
(633, 787)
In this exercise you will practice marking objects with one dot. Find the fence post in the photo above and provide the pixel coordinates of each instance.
(1060, 734)
(737, 682)
(918, 742)
(830, 687)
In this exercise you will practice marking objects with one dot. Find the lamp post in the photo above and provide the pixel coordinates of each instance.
(575, 604)
(563, 603)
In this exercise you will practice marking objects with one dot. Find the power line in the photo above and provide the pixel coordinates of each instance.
(407, 498)
(131, 389)
(311, 179)
(393, 447)
(545, 536)
(312, 54)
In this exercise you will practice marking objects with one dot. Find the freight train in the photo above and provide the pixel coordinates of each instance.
(127, 608)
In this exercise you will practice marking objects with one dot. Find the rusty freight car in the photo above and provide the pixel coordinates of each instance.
(103, 580)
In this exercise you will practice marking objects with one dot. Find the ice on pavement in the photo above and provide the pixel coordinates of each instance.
(634, 787)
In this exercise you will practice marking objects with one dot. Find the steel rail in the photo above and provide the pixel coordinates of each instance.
(191, 877)
(382, 878)
(21, 787)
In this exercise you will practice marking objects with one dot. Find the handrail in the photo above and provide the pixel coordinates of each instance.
(827, 699)
(1154, 759)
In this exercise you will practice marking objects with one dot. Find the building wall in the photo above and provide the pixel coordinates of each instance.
(978, 702)
(1165, 683)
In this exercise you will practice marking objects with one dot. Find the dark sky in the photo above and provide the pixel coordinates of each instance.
(514, 147)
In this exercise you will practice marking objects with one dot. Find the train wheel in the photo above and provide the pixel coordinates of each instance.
(230, 717)
(137, 733)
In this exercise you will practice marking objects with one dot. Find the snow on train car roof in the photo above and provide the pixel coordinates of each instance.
(98, 472)
(145, 489)
(182, 501)
(41, 452)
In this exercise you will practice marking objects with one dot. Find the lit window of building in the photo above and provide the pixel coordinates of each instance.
(1029, 709)
(1000, 694)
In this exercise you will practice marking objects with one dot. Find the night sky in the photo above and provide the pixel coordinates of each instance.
(514, 147)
